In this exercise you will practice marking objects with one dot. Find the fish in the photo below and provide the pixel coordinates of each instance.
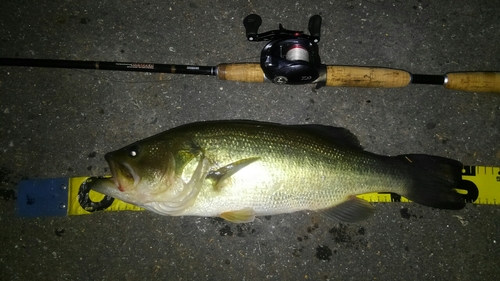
(240, 169)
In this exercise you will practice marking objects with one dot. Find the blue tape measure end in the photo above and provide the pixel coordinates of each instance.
(42, 197)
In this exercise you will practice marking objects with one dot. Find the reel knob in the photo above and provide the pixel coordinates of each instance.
(314, 27)
(252, 23)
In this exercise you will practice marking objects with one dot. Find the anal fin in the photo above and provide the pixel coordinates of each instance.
(239, 216)
(354, 209)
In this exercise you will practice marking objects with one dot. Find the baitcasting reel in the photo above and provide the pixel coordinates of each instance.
(291, 57)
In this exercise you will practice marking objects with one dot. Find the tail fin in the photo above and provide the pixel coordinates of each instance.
(434, 181)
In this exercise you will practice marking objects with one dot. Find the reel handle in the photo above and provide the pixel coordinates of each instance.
(252, 23)
(314, 28)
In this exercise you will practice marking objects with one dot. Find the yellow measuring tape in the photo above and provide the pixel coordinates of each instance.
(480, 185)
(76, 208)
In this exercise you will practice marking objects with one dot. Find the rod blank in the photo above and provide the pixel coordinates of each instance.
(106, 65)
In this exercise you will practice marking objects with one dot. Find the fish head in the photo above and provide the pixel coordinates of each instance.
(140, 172)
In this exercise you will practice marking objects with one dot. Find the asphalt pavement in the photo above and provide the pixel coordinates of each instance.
(61, 122)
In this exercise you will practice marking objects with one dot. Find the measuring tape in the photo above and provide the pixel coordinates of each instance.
(71, 196)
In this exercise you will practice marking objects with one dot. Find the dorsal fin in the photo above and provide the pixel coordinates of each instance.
(332, 134)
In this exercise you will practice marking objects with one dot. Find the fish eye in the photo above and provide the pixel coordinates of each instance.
(133, 151)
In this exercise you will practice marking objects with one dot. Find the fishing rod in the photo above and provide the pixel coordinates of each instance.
(290, 57)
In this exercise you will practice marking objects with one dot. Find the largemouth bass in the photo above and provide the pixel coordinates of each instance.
(237, 170)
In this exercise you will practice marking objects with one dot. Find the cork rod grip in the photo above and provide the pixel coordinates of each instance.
(243, 72)
(474, 81)
(368, 77)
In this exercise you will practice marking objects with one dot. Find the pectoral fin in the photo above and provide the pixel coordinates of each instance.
(239, 216)
(220, 175)
(354, 209)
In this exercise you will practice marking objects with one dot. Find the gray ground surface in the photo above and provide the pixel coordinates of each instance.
(57, 122)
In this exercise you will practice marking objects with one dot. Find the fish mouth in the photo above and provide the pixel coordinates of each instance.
(122, 173)
(105, 186)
